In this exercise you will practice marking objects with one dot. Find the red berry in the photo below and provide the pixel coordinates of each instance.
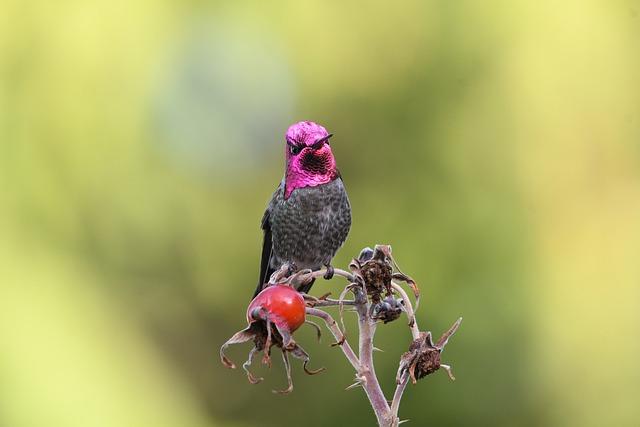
(273, 315)
(282, 304)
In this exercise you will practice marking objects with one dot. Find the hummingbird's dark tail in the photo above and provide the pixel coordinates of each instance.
(265, 259)
(306, 288)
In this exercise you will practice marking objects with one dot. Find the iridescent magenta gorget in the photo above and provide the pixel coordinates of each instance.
(310, 161)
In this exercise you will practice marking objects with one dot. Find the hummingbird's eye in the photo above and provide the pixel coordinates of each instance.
(295, 150)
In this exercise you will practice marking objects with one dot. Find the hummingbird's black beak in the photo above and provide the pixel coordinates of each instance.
(319, 143)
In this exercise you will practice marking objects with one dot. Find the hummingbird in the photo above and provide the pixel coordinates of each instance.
(309, 215)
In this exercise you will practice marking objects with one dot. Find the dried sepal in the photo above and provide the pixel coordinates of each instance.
(444, 339)
(400, 276)
(447, 369)
(286, 337)
(316, 327)
(382, 252)
(287, 368)
(299, 353)
(238, 338)
(245, 366)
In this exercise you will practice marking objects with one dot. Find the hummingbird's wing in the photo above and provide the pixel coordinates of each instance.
(267, 247)
(265, 269)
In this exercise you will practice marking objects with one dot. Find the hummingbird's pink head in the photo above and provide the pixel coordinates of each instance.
(310, 161)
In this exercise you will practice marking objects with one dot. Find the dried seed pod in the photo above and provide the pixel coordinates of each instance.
(376, 273)
(387, 310)
(423, 357)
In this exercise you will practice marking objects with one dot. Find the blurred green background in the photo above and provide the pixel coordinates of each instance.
(494, 145)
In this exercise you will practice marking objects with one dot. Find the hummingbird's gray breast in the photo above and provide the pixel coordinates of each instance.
(309, 227)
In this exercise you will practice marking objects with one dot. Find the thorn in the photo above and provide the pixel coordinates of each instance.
(339, 343)
(354, 385)
(403, 421)
(312, 371)
(324, 296)
(377, 349)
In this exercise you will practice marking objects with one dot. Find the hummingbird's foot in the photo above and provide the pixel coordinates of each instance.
(292, 268)
(329, 274)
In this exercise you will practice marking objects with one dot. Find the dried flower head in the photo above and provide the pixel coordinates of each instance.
(423, 357)
(374, 267)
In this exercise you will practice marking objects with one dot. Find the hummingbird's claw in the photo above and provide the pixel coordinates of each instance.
(329, 274)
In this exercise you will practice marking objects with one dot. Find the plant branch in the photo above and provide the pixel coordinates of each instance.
(338, 335)
(332, 303)
(367, 372)
(397, 395)
(336, 271)
(373, 280)
(415, 332)
(413, 323)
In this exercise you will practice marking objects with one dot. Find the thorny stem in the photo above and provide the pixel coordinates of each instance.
(375, 301)
(387, 415)
(367, 370)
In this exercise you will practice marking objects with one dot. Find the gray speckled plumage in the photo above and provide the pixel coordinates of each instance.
(305, 230)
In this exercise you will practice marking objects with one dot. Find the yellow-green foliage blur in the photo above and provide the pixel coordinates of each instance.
(495, 145)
